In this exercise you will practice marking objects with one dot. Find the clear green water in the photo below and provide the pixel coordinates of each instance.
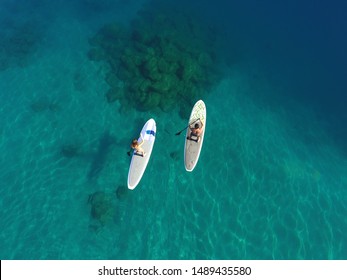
(270, 184)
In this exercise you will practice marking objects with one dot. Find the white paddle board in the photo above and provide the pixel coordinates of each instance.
(192, 148)
(139, 163)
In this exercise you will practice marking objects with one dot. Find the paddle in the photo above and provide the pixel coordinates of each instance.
(178, 133)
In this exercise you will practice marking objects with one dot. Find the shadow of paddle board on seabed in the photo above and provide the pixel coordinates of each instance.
(99, 158)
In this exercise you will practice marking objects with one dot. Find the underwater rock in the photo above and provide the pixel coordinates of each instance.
(111, 80)
(159, 58)
(18, 42)
(166, 105)
(96, 54)
(54, 107)
(112, 95)
(38, 106)
(114, 31)
(121, 192)
(70, 150)
(204, 59)
(174, 155)
(102, 207)
(43, 105)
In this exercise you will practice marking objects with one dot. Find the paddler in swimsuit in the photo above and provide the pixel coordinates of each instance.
(137, 147)
(196, 131)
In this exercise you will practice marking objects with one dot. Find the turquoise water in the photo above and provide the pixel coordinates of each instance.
(271, 182)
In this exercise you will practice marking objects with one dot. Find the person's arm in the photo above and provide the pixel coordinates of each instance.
(140, 144)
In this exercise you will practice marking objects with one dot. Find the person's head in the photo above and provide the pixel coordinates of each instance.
(196, 126)
(134, 142)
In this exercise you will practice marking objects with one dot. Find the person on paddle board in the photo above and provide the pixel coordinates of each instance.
(137, 147)
(196, 131)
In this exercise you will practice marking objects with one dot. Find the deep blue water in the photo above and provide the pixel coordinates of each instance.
(271, 182)
(301, 43)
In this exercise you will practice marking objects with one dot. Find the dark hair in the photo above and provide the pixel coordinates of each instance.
(196, 125)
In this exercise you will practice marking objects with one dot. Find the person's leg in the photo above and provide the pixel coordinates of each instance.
(140, 150)
(191, 137)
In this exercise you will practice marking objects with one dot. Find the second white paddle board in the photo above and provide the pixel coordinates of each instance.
(192, 147)
(138, 162)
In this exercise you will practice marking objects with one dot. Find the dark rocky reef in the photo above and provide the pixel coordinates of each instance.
(165, 58)
(121, 192)
(175, 155)
(102, 208)
(70, 150)
(18, 42)
(42, 105)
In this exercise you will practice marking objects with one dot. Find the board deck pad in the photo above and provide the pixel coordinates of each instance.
(192, 148)
(138, 162)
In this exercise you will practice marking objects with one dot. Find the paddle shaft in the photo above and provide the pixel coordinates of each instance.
(178, 133)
